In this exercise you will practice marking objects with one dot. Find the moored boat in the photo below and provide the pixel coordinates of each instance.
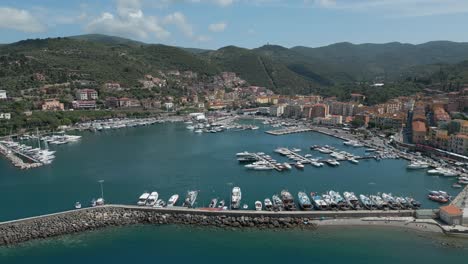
(352, 200)
(258, 206)
(304, 201)
(151, 201)
(277, 203)
(268, 204)
(173, 200)
(236, 197)
(190, 199)
(367, 202)
(318, 202)
(142, 199)
(213, 203)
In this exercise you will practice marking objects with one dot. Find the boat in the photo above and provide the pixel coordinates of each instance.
(243, 154)
(391, 202)
(199, 131)
(370, 149)
(352, 200)
(367, 202)
(190, 199)
(93, 203)
(245, 206)
(299, 165)
(258, 205)
(221, 204)
(268, 204)
(236, 197)
(77, 205)
(287, 166)
(438, 198)
(100, 201)
(277, 203)
(173, 200)
(264, 167)
(417, 165)
(151, 200)
(414, 204)
(353, 160)
(338, 199)
(457, 185)
(404, 204)
(190, 127)
(288, 200)
(213, 203)
(329, 201)
(304, 201)
(296, 150)
(332, 162)
(319, 203)
(379, 202)
(160, 203)
(142, 199)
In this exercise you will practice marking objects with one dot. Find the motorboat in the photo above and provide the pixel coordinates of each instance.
(329, 201)
(367, 202)
(277, 203)
(143, 198)
(299, 165)
(77, 205)
(258, 205)
(173, 200)
(268, 204)
(338, 199)
(417, 165)
(352, 200)
(245, 206)
(236, 197)
(392, 203)
(160, 203)
(287, 166)
(221, 204)
(213, 203)
(332, 162)
(151, 200)
(318, 202)
(304, 201)
(190, 199)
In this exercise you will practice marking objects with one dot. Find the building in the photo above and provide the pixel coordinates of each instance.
(459, 144)
(419, 132)
(81, 104)
(128, 102)
(358, 98)
(440, 116)
(319, 110)
(292, 111)
(86, 94)
(6, 116)
(277, 110)
(451, 215)
(3, 95)
(387, 121)
(332, 120)
(52, 105)
(169, 106)
(340, 108)
(112, 86)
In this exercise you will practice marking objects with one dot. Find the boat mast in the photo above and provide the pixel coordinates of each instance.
(102, 188)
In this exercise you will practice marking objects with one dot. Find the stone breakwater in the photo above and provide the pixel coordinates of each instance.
(100, 217)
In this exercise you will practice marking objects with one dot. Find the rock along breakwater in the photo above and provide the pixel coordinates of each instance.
(70, 222)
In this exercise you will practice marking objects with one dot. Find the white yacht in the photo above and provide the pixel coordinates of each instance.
(416, 165)
(173, 200)
(236, 198)
(258, 205)
(151, 201)
(143, 198)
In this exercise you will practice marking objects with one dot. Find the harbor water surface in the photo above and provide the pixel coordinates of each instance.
(170, 159)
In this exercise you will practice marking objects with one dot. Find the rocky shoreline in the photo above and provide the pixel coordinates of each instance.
(15, 232)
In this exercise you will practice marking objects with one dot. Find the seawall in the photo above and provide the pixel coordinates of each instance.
(52, 225)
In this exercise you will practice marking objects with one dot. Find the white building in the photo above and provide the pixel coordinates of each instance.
(5, 116)
(331, 120)
(169, 106)
(3, 94)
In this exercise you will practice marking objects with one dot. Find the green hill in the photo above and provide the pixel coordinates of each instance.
(285, 70)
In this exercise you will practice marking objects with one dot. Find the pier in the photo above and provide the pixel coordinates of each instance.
(271, 164)
(12, 155)
(74, 221)
(287, 131)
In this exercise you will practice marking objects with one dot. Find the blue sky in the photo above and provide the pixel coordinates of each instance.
(245, 23)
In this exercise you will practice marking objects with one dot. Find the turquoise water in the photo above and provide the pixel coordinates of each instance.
(170, 159)
(176, 244)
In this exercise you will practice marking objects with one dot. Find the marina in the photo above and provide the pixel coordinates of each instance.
(214, 155)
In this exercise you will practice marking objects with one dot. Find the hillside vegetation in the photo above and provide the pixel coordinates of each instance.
(331, 70)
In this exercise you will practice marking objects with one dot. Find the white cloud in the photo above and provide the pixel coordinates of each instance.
(325, 3)
(129, 21)
(165, 3)
(180, 22)
(20, 20)
(217, 27)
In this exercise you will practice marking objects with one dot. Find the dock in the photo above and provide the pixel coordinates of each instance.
(287, 131)
(260, 158)
(12, 155)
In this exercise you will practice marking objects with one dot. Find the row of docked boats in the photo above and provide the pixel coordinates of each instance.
(438, 171)
(117, 123)
(154, 200)
(439, 196)
(60, 138)
(44, 156)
